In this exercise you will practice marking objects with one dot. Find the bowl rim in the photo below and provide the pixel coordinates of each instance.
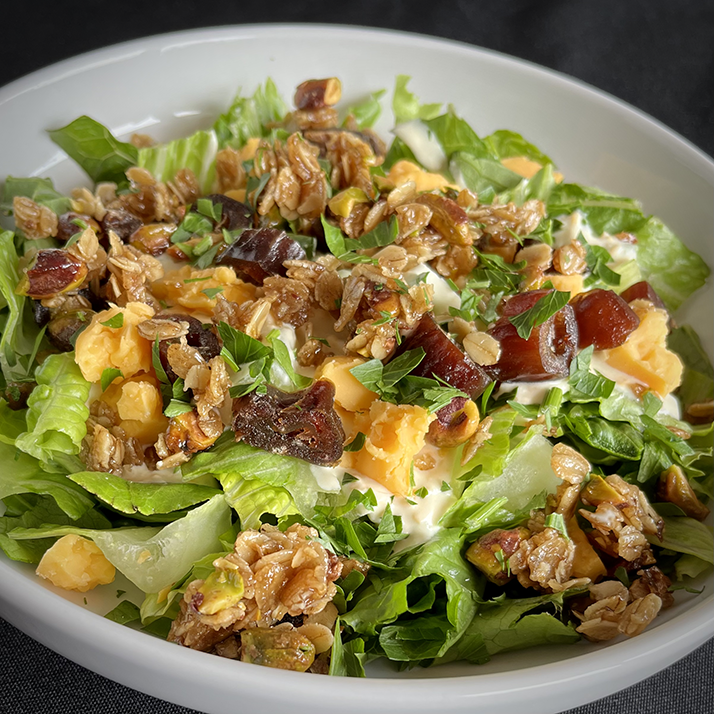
(24, 597)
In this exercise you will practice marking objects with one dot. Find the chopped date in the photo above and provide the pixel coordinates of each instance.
(303, 424)
(604, 319)
(643, 291)
(546, 354)
(260, 253)
(199, 336)
(66, 227)
(234, 214)
(444, 359)
(123, 223)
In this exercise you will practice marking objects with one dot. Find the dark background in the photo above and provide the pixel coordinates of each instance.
(655, 54)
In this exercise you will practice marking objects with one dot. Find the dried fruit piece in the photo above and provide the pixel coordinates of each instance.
(63, 327)
(260, 253)
(303, 424)
(444, 359)
(53, 271)
(66, 228)
(153, 238)
(642, 291)
(121, 222)
(604, 319)
(199, 336)
(546, 354)
(318, 93)
(185, 435)
(674, 488)
(234, 214)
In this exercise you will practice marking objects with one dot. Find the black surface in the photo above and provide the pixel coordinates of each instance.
(655, 54)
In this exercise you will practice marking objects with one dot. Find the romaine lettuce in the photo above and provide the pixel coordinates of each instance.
(504, 144)
(367, 112)
(406, 106)
(153, 558)
(57, 414)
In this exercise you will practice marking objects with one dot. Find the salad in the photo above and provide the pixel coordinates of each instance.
(324, 400)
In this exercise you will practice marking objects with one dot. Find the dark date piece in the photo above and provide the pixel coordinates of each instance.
(199, 336)
(605, 320)
(643, 291)
(303, 424)
(66, 228)
(62, 328)
(234, 214)
(444, 359)
(123, 223)
(546, 354)
(260, 253)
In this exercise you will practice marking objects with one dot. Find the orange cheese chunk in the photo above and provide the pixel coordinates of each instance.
(185, 287)
(350, 393)
(139, 405)
(75, 563)
(526, 167)
(586, 563)
(404, 171)
(100, 347)
(395, 435)
(644, 355)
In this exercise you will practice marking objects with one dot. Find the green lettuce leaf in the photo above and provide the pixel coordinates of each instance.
(689, 566)
(230, 462)
(196, 152)
(698, 378)
(486, 176)
(40, 511)
(252, 498)
(40, 190)
(248, 117)
(23, 474)
(144, 498)
(57, 413)
(673, 270)
(406, 106)
(17, 341)
(398, 151)
(387, 605)
(102, 156)
(504, 625)
(12, 423)
(455, 135)
(367, 112)
(153, 558)
(504, 144)
(687, 535)
(347, 659)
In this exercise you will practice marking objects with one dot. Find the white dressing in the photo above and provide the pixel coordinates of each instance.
(444, 297)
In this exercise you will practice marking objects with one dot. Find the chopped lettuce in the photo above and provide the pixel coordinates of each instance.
(401, 608)
(253, 498)
(347, 659)
(102, 156)
(485, 176)
(144, 498)
(504, 625)
(248, 117)
(16, 343)
(23, 474)
(504, 144)
(232, 462)
(367, 112)
(153, 558)
(406, 106)
(57, 414)
(40, 190)
(698, 379)
(13, 423)
(687, 535)
(455, 135)
(196, 152)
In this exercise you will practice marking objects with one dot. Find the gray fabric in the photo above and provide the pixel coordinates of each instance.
(655, 54)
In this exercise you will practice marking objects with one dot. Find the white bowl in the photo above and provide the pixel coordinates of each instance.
(170, 85)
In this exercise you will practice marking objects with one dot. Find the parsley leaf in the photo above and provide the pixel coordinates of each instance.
(210, 293)
(556, 521)
(356, 444)
(108, 376)
(584, 385)
(240, 348)
(283, 358)
(543, 309)
(177, 407)
(115, 322)
(390, 528)
(343, 247)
